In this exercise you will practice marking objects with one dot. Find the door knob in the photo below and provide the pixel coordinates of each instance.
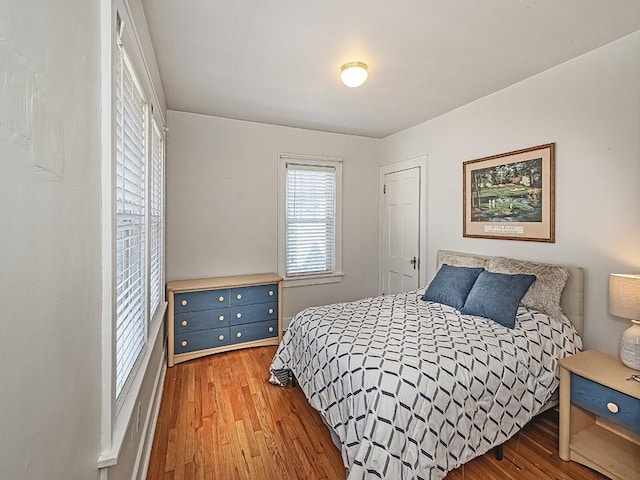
(414, 262)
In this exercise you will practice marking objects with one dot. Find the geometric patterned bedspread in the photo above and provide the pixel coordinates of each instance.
(414, 389)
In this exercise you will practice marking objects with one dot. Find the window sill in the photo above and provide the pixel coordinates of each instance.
(307, 280)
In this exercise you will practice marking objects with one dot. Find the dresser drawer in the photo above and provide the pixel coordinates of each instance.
(253, 313)
(255, 294)
(614, 406)
(254, 331)
(201, 320)
(193, 301)
(201, 340)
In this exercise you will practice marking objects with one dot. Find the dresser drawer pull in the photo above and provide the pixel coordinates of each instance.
(221, 298)
(612, 407)
(239, 315)
(239, 297)
(271, 293)
(184, 323)
(221, 318)
(239, 334)
(270, 311)
(221, 337)
(184, 343)
(270, 329)
(183, 303)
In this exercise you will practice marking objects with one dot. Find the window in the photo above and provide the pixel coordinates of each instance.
(310, 219)
(157, 233)
(133, 147)
(139, 201)
(131, 221)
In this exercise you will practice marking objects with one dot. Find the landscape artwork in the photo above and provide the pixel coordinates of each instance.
(511, 196)
(507, 193)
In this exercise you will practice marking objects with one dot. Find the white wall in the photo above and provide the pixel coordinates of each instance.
(222, 196)
(589, 106)
(50, 167)
(50, 239)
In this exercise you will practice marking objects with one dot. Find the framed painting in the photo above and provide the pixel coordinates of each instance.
(511, 196)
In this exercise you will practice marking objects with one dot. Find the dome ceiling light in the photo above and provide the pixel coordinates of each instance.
(353, 74)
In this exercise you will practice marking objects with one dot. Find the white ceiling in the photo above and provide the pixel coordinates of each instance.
(279, 61)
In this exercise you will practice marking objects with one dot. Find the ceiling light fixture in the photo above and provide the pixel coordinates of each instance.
(353, 74)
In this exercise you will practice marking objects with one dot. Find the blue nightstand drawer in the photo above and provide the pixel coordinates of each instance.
(254, 313)
(601, 400)
(256, 294)
(193, 301)
(254, 331)
(201, 320)
(201, 340)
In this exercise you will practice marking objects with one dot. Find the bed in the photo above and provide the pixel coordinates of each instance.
(412, 388)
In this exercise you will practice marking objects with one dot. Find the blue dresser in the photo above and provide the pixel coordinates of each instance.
(213, 315)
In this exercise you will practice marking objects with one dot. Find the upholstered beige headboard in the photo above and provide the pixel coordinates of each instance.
(571, 300)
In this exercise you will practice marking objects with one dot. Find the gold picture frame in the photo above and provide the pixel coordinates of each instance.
(511, 196)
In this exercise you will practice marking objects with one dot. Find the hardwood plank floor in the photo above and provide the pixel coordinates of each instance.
(221, 419)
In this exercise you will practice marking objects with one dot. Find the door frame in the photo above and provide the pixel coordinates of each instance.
(421, 163)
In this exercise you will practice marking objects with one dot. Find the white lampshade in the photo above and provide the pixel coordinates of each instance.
(354, 74)
(624, 295)
(624, 301)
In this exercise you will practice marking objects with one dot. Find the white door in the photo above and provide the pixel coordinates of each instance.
(401, 231)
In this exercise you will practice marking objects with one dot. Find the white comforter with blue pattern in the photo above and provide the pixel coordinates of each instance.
(414, 389)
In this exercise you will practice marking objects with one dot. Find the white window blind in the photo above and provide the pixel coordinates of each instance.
(131, 278)
(157, 175)
(310, 216)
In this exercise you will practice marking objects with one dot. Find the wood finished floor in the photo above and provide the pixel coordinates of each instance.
(221, 419)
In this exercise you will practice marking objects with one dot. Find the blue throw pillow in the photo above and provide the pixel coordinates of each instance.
(451, 285)
(496, 296)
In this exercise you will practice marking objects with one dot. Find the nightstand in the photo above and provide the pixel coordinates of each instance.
(600, 414)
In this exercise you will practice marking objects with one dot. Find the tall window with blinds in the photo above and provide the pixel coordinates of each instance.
(131, 195)
(133, 294)
(156, 216)
(311, 217)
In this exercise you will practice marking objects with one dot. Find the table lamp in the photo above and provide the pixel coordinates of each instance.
(624, 301)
